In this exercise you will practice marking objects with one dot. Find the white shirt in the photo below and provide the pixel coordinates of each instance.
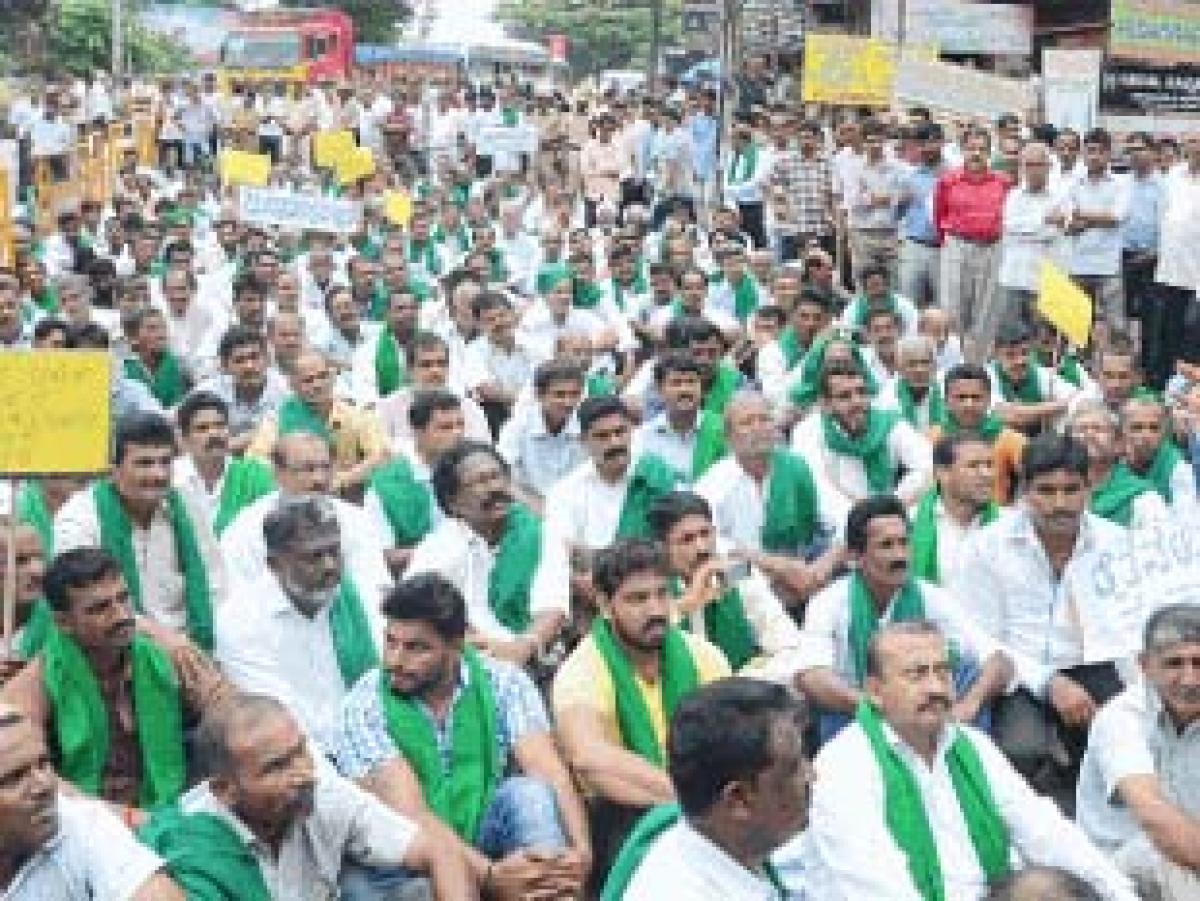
(583, 510)
(737, 502)
(538, 330)
(77, 525)
(346, 822)
(187, 479)
(364, 380)
(462, 556)
(538, 458)
(245, 549)
(855, 856)
(847, 477)
(1089, 615)
(1178, 262)
(684, 865)
(1027, 239)
(265, 645)
(510, 370)
(91, 856)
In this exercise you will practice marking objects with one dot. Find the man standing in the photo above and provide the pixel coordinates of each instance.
(516, 831)
(908, 804)
(1098, 204)
(968, 208)
(802, 182)
(1175, 323)
(872, 194)
(919, 250)
(1139, 233)
(746, 181)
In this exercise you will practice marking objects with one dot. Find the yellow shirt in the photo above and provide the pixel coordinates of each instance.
(583, 680)
(357, 436)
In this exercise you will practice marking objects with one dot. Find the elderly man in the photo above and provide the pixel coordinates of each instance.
(1151, 453)
(1118, 495)
(1137, 796)
(914, 393)
(908, 804)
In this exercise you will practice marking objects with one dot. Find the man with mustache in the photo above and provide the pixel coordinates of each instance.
(32, 617)
(275, 822)
(247, 382)
(880, 589)
(1044, 578)
(738, 766)
(112, 697)
(1118, 494)
(163, 544)
(1137, 798)
(615, 694)
(58, 846)
(909, 804)
(683, 435)
(1151, 452)
(490, 549)
(310, 629)
(522, 833)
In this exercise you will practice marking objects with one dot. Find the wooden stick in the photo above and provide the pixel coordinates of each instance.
(10, 570)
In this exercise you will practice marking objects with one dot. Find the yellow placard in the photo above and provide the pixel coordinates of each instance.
(1065, 305)
(850, 70)
(398, 207)
(359, 163)
(54, 412)
(241, 168)
(331, 146)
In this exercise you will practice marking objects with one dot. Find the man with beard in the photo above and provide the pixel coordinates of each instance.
(522, 833)
(311, 631)
(216, 484)
(1137, 799)
(162, 543)
(615, 694)
(247, 383)
(841, 620)
(59, 846)
(490, 549)
(686, 437)
(743, 781)
(114, 701)
(910, 804)
(860, 451)
(275, 822)
(1118, 495)
(381, 367)
(1151, 452)
(1041, 579)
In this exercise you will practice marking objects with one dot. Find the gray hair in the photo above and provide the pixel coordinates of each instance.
(1172, 625)
(297, 516)
(915, 344)
(1090, 407)
(233, 715)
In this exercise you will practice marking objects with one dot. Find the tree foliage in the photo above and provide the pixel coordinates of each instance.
(375, 21)
(603, 34)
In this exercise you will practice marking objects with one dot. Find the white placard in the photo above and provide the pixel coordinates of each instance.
(1071, 87)
(495, 139)
(956, 89)
(288, 209)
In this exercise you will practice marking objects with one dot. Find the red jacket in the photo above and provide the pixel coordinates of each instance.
(970, 206)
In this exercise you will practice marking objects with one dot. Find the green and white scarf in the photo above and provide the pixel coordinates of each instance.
(295, 415)
(923, 537)
(789, 509)
(407, 503)
(871, 449)
(33, 510)
(725, 383)
(861, 305)
(908, 405)
(650, 479)
(246, 481)
(1028, 392)
(709, 446)
(517, 558)
(390, 372)
(908, 605)
(204, 856)
(726, 625)
(1113, 498)
(743, 164)
(353, 644)
(166, 382)
(1162, 467)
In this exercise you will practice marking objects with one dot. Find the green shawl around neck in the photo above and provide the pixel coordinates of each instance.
(923, 536)
(36, 630)
(745, 297)
(1113, 498)
(246, 481)
(33, 510)
(517, 558)
(990, 427)
(789, 346)
(726, 625)
(458, 796)
(166, 382)
(204, 856)
(650, 479)
(807, 391)
(297, 416)
(871, 448)
(864, 620)
(789, 509)
(390, 372)
(725, 383)
(81, 718)
(861, 305)
(353, 644)
(1028, 392)
(908, 822)
(407, 503)
(743, 164)
(678, 677)
(908, 404)
(1162, 467)
(709, 446)
(116, 537)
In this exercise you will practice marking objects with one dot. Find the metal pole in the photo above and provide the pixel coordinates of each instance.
(425, 27)
(118, 57)
(656, 11)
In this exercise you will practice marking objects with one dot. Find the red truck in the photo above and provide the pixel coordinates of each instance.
(305, 45)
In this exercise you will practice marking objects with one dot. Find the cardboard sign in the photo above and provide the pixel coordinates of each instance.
(495, 139)
(331, 146)
(300, 212)
(241, 168)
(398, 208)
(1065, 305)
(945, 86)
(358, 163)
(54, 412)
(1071, 87)
(848, 70)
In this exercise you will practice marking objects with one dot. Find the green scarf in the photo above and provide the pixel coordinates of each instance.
(407, 504)
(509, 117)
(807, 391)
(908, 406)
(600, 384)
(618, 293)
(585, 295)
(1162, 467)
(166, 383)
(789, 346)
(1028, 392)
(989, 429)
(709, 446)
(297, 416)
(204, 856)
(425, 253)
(517, 558)
(462, 235)
(81, 720)
(460, 796)
(725, 383)
(726, 625)
(908, 822)
(1113, 499)
(650, 479)
(390, 374)
(789, 509)
(246, 481)
(1069, 368)
(923, 537)
(678, 678)
(871, 448)
(743, 164)
(745, 297)
(861, 305)
(36, 630)
(352, 640)
(33, 511)
(116, 537)
(47, 301)
(864, 622)
(497, 271)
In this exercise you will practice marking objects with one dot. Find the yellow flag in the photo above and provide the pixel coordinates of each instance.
(1064, 304)
(359, 163)
(241, 168)
(331, 146)
(397, 207)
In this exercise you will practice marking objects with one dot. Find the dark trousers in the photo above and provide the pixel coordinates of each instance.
(1137, 273)
(1172, 323)
(272, 146)
(633, 191)
(792, 247)
(754, 223)
(1042, 748)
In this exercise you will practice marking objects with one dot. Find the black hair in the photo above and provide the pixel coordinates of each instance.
(624, 558)
(858, 520)
(676, 361)
(965, 372)
(838, 369)
(196, 403)
(945, 449)
(1050, 453)
(141, 429)
(556, 370)
(667, 511)
(444, 480)
(1011, 333)
(1098, 136)
(426, 403)
(90, 335)
(47, 326)
(722, 733)
(239, 336)
(593, 409)
(428, 598)
(490, 300)
(75, 569)
(1064, 885)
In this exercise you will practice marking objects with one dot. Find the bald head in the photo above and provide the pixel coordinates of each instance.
(1042, 884)
(1035, 165)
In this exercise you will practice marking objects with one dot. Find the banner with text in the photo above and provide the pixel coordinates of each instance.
(1071, 87)
(1166, 31)
(956, 26)
(848, 70)
(956, 89)
(269, 206)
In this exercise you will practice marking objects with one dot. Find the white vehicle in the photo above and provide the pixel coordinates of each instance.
(622, 80)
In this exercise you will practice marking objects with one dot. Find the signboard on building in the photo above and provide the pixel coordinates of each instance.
(1166, 31)
(956, 26)
(848, 70)
(1128, 87)
(1071, 86)
(957, 89)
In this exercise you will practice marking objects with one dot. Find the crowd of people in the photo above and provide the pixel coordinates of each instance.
(669, 513)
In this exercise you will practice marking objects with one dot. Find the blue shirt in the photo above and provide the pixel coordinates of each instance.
(917, 221)
(1140, 229)
(704, 144)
